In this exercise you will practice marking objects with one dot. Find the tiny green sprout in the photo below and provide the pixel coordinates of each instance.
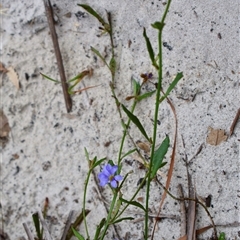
(222, 236)
(77, 79)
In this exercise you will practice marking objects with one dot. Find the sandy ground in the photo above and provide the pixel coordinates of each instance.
(44, 155)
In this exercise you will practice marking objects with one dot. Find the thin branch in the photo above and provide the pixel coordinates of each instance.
(49, 13)
(234, 122)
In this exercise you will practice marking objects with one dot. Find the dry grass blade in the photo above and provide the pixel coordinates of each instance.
(29, 234)
(67, 226)
(191, 213)
(234, 122)
(183, 230)
(44, 225)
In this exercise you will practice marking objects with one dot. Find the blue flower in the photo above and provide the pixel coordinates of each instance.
(108, 176)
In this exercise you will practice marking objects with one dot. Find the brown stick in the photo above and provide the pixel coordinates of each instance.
(49, 13)
(234, 122)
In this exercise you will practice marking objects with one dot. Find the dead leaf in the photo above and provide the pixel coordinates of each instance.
(216, 136)
(2, 68)
(13, 77)
(4, 125)
(144, 146)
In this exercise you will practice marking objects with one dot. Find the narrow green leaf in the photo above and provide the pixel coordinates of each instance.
(99, 227)
(77, 80)
(136, 87)
(158, 25)
(94, 13)
(80, 75)
(123, 219)
(99, 55)
(77, 234)
(76, 223)
(134, 203)
(112, 65)
(37, 225)
(128, 153)
(136, 121)
(149, 46)
(98, 162)
(45, 76)
(86, 154)
(116, 209)
(158, 156)
(172, 85)
(145, 95)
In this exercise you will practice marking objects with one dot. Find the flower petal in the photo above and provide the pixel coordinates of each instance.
(107, 170)
(113, 183)
(118, 178)
(103, 179)
(111, 169)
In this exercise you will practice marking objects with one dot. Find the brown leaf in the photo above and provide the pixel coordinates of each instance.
(144, 146)
(13, 77)
(4, 125)
(2, 68)
(216, 136)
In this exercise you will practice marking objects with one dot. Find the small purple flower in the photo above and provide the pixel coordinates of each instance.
(107, 176)
(149, 75)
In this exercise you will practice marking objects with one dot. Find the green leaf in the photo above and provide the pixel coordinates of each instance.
(77, 80)
(112, 65)
(37, 225)
(98, 162)
(158, 25)
(134, 203)
(172, 85)
(80, 75)
(99, 55)
(149, 47)
(128, 153)
(136, 87)
(45, 76)
(86, 154)
(136, 121)
(77, 234)
(158, 156)
(145, 95)
(222, 236)
(94, 13)
(123, 219)
(99, 227)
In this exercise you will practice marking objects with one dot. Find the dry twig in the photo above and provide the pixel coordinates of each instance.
(49, 12)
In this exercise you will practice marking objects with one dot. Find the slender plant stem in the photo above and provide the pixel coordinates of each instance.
(159, 86)
(135, 194)
(84, 202)
(109, 215)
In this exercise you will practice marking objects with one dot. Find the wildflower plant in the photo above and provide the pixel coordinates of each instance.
(110, 173)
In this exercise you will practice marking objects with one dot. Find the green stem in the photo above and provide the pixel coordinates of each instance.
(125, 132)
(84, 202)
(135, 194)
(109, 215)
(159, 86)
